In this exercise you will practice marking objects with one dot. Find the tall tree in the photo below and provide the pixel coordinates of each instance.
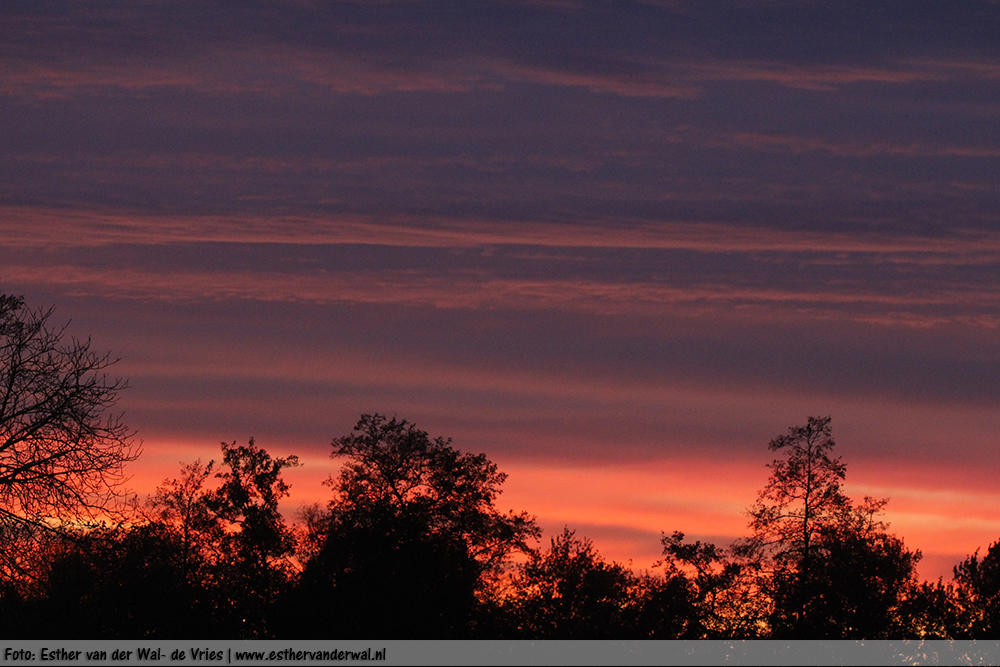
(179, 505)
(255, 543)
(246, 504)
(828, 566)
(802, 496)
(62, 447)
(411, 538)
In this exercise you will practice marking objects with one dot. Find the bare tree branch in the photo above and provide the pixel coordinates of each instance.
(62, 447)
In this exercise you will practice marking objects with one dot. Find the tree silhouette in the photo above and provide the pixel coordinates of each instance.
(802, 496)
(860, 579)
(254, 541)
(801, 499)
(246, 504)
(118, 583)
(62, 452)
(179, 504)
(828, 566)
(410, 539)
(234, 543)
(721, 600)
(935, 610)
(978, 583)
(571, 592)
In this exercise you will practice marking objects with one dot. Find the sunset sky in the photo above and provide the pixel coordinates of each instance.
(616, 246)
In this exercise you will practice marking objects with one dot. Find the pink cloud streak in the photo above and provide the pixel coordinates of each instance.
(34, 227)
(280, 68)
(475, 290)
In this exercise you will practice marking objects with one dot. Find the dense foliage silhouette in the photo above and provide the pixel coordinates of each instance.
(411, 540)
(978, 583)
(571, 592)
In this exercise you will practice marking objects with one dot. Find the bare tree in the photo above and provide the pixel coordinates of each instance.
(62, 446)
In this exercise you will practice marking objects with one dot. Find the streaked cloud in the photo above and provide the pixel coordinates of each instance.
(287, 68)
(95, 49)
(481, 291)
(34, 226)
(853, 149)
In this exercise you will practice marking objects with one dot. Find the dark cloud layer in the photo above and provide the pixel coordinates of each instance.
(775, 114)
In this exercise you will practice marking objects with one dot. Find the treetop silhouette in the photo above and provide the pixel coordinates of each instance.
(571, 592)
(234, 545)
(803, 494)
(412, 520)
(394, 469)
(827, 566)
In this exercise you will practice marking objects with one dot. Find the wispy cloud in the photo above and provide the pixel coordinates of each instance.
(803, 144)
(283, 69)
(101, 50)
(43, 227)
(479, 290)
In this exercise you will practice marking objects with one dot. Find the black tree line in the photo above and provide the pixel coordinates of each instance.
(411, 543)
